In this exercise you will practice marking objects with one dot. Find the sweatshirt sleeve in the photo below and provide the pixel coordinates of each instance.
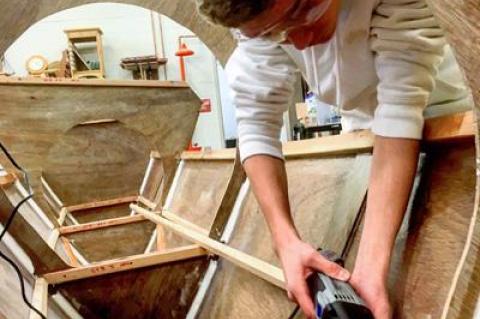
(261, 77)
(408, 46)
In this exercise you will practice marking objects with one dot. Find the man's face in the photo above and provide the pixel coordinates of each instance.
(302, 23)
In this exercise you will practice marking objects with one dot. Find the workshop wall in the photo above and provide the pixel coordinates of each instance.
(130, 31)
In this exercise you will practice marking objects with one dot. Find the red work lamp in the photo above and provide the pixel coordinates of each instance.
(183, 51)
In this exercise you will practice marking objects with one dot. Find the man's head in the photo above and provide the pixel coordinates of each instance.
(300, 22)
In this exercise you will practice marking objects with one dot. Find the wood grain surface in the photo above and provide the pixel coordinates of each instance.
(326, 195)
(84, 163)
(461, 22)
(437, 233)
(113, 242)
(199, 193)
(164, 291)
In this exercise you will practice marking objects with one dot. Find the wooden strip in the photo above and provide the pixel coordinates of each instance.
(147, 202)
(258, 267)
(349, 143)
(124, 264)
(92, 82)
(104, 203)
(436, 129)
(450, 127)
(99, 121)
(161, 241)
(100, 224)
(40, 298)
(52, 239)
(50, 195)
(228, 201)
(172, 216)
(62, 216)
(68, 250)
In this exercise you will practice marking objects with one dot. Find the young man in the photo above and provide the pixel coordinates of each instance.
(376, 59)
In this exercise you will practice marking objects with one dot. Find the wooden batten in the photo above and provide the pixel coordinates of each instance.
(92, 82)
(258, 267)
(100, 224)
(40, 298)
(450, 127)
(127, 263)
(439, 129)
(104, 203)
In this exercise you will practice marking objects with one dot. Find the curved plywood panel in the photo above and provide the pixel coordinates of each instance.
(17, 16)
(38, 121)
(326, 195)
(96, 162)
(461, 21)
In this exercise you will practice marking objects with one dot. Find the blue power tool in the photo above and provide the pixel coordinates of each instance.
(335, 299)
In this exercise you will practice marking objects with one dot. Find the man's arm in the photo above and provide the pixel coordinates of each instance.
(408, 46)
(268, 178)
(393, 171)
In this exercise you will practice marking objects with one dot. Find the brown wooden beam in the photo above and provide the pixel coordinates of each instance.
(92, 82)
(256, 266)
(444, 128)
(127, 263)
(104, 203)
(100, 224)
(450, 127)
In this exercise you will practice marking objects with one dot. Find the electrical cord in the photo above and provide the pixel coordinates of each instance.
(7, 225)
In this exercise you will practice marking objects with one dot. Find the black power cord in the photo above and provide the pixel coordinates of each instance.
(7, 225)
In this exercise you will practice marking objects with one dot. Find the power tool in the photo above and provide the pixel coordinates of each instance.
(335, 299)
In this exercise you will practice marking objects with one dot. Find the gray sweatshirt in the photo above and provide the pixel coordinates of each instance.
(386, 63)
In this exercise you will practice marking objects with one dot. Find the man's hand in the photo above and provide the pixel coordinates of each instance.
(299, 260)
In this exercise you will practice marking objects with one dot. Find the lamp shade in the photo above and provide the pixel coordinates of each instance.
(184, 51)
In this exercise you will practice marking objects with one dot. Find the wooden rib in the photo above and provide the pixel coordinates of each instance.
(172, 216)
(104, 203)
(450, 127)
(127, 263)
(161, 241)
(228, 200)
(436, 129)
(258, 267)
(68, 250)
(100, 224)
(62, 216)
(53, 238)
(92, 82)
(39, 298)
(146, 202)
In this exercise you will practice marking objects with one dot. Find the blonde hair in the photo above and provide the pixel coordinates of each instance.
(232, 13)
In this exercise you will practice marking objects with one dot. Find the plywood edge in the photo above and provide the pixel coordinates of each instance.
(125, 264)
(92, 82)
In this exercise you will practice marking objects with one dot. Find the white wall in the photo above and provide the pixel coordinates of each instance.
(201, 74)
(128, 32)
